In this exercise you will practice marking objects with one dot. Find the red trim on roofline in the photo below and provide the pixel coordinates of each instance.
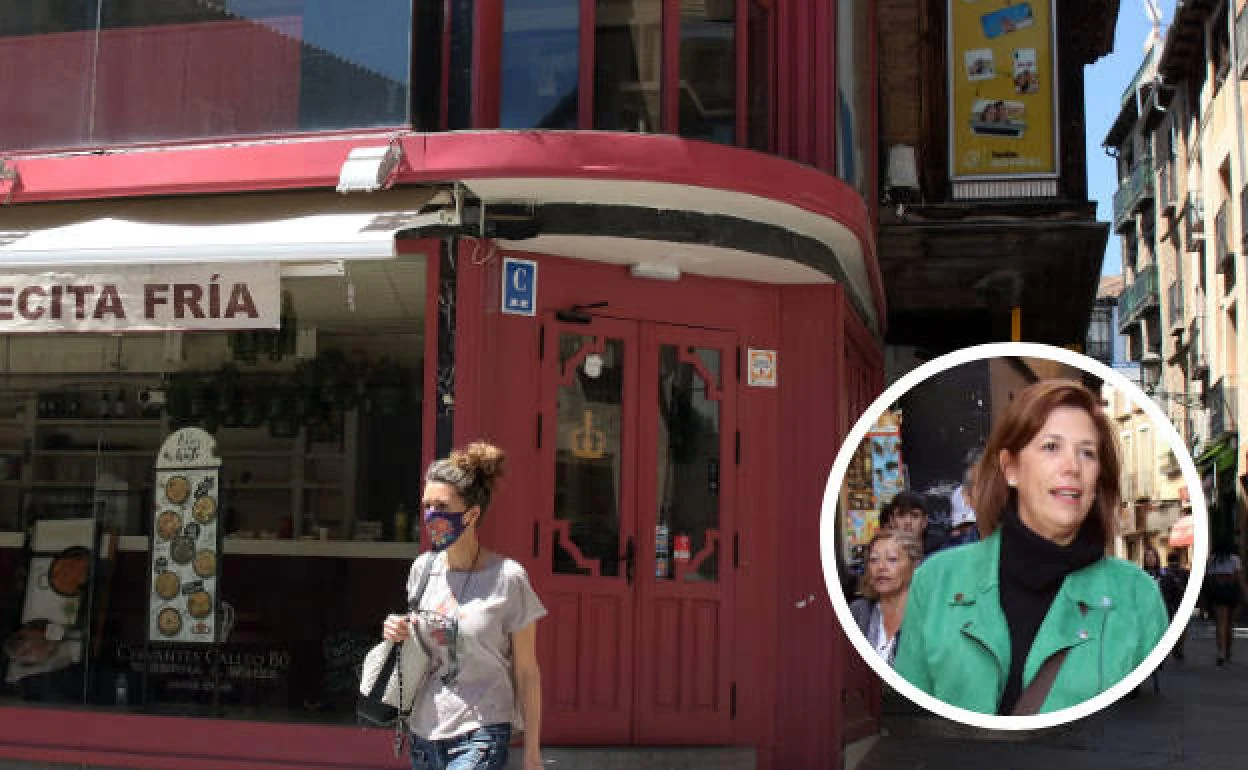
(447, 157)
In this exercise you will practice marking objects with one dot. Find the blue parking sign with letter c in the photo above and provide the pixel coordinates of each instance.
(519, 286)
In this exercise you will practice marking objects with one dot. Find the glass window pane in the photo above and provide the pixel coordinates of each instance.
(589, 460)
(760, 78)
(45, 54)
(628, 51)
(541, 63)
(318, 456)
(708, 70)
(689, 466)
(183, 69)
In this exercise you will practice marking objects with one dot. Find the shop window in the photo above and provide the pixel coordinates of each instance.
(117, 71)
(318, 426)
(541, 63)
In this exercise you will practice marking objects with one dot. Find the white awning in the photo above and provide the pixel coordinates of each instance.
(111, 242)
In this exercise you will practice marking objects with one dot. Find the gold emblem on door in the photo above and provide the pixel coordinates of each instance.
(588, 442)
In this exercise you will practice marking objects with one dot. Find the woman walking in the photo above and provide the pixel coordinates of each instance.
(477, 617)
(1226, 591)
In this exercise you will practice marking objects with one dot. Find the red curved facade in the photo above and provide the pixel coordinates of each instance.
(668, 512)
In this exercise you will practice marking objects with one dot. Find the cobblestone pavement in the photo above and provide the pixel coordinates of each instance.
(1197, 721)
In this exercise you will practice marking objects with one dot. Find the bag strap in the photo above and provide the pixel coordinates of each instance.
(1032, 698)
(405, 708)
(424, 578)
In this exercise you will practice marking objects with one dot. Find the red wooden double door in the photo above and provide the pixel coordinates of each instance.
(636, 538)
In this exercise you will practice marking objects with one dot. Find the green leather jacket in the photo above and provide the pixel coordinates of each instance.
(955, 644)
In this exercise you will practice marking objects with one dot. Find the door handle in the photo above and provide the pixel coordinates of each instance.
(630, 555)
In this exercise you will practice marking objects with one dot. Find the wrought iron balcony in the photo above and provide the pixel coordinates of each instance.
(1138, 298)
(1136, 188)
(1223, 409)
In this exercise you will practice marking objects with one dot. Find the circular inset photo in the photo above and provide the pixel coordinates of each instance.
(205, 564)
(199, 604)
(1009, 533)
(169, 621)
(205, 509)
(167, 524)
(168, 584)
(177, 489)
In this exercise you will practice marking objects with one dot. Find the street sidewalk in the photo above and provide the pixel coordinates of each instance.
(1198, 721)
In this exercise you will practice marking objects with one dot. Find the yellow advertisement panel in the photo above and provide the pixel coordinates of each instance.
(1002, 111)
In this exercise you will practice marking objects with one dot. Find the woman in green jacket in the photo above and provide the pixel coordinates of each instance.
(987, 624)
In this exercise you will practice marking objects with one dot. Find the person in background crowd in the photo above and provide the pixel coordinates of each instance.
(907, 514)
(1226, 592)
(1173, 583)
(962, 516)
(891, 558)
(1152, 563)
(1037, 594)
(1152, 568)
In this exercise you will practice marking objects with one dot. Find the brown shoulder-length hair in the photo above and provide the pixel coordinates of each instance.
(909, 545)
(1023, 419)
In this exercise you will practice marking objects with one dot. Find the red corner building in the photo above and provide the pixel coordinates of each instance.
(632, 242)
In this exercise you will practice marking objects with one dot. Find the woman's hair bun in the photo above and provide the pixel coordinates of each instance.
(482, 459)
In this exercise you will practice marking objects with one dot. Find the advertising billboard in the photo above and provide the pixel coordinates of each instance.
(1002, 89)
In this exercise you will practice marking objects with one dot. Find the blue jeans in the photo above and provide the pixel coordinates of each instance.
(481, 749)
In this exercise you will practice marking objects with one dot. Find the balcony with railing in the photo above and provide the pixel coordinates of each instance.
(1194, 222)
(1223, 408)
(1174, 305)
(1133, 190)
(1138, 298)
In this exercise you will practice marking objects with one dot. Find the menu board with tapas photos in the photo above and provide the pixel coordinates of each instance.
(186, 540)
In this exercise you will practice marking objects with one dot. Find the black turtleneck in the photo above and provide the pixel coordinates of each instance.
(1032, 571)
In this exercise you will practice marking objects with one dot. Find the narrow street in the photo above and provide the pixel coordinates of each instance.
(1196, 722)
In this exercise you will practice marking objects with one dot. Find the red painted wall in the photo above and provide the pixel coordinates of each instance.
(815, 663)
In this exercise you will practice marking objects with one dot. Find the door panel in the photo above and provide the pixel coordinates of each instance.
(687, 457)
(588, 439)
(638, 437)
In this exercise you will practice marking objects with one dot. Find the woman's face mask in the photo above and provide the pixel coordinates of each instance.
(443, 527)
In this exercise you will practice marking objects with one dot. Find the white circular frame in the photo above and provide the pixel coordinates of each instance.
(828, 525)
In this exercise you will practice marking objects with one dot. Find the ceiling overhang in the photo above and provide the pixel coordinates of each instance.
(966, 272)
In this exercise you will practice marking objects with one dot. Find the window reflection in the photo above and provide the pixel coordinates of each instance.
(628, 47)
(588, 456)
(197, 69)
(689, 462)
(541, 63)
(708, 70)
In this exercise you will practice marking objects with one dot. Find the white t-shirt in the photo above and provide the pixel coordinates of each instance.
(882, 642)
(493, 602)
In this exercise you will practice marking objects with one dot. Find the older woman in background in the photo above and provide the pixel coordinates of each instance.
(891, 559)
(1034, 617)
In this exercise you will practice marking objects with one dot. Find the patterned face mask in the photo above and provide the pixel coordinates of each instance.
(443, 527)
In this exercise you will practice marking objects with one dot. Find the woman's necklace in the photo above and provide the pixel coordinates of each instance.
(463, 587)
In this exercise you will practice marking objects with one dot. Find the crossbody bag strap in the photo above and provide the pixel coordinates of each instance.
(1032, 698)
